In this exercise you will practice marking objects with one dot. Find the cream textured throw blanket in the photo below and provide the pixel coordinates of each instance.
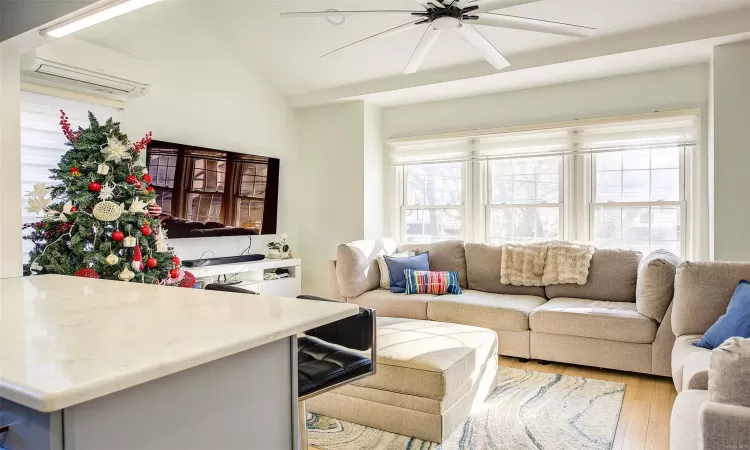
(545, 263)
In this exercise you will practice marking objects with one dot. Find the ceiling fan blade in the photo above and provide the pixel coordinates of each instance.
(423, 48)
(350, 13)
(382, 34)
(428, 3)
(492, 5)
(542, 26)
(485, 48)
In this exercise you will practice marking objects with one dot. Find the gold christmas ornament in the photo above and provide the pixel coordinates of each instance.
(126, 275)
(129, 242)
(112, 259)
(102, 169)
(107, 211)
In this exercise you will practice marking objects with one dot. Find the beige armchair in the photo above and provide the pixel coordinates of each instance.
(717, 418)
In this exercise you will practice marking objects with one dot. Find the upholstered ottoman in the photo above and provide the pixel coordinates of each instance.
(429, 377)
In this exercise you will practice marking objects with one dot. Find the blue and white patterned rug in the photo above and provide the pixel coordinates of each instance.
(527, 410)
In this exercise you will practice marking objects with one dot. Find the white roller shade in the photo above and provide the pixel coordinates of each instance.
(42, 140)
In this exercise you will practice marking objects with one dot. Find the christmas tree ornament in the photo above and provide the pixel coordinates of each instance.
(174, 273)
(137, 263)
(150, 189)
(188, 280)
(126, 275)
(86, 273)
(146, 178)
(138, 206)
(152, 201)
(131, 179)
(75, 172)
(107, 191)
(151, 262)
(94, 186)
(175, 260)
(35, 268)
(102, 169)
(38, 201)
(67, 209)
(74, 209)
(146, 230)
(107, 211)
(154, 209)
(111, 259)
(129, 242)
(161, 241)
(144, 192)
(115, 150)
(117, 235)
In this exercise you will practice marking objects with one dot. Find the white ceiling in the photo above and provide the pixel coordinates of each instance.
(287, 50)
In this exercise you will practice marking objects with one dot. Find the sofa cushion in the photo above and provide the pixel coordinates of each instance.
(681, 351)
(702, 291)
(386, 303)
(685, 425)
(483, 309)
(357, 268)
(729, 376)
(428, 359)
(385, 274)
(445, 256)
(483, 272)
(655, 286)
(612, 276)
(397, 269)
(613, 321)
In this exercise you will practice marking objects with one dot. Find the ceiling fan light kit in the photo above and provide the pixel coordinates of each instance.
(457, 15)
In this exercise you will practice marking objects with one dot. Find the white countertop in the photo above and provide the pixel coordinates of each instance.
(67, 340)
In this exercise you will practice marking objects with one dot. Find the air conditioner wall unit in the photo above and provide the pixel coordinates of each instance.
(83, 67)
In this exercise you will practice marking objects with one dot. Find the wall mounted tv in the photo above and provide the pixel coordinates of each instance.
(205, 192)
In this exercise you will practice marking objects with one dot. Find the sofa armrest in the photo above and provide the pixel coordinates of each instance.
(725, 426)
(654, 287)
(702, 291)
(695, 371)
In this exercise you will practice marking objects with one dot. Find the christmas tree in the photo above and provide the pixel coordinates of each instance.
(101, 220)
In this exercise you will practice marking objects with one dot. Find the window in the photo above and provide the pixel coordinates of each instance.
(615, 183)
(43, 143)
(433, 202)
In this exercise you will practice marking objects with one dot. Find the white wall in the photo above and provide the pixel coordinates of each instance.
(677, 88)
(729, 151)
(373, 173)
(230, 109)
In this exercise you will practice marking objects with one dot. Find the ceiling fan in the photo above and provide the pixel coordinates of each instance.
(459, 16)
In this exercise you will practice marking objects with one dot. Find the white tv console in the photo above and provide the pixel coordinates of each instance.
(250, 275)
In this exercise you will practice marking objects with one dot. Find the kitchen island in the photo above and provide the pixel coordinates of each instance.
(106, 365)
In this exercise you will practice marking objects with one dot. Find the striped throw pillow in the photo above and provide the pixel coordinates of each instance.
(423, 282)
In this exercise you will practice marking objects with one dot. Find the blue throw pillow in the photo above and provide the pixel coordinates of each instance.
(396, 267)
(735, 322)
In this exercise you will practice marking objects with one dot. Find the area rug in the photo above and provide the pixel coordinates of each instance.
(527, 410)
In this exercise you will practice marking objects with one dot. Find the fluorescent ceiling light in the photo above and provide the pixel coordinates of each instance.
(99, 16)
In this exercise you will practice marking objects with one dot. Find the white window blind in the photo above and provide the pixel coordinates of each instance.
(42, 140)
(536, 182)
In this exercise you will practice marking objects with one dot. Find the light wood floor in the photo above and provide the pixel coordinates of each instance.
(646, 408)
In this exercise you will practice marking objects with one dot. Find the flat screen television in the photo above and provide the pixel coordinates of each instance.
(205, 192)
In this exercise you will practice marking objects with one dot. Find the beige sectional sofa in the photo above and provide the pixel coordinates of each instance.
(620, 319)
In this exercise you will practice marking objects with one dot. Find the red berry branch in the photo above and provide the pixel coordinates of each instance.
(66, 128)
(140, 145)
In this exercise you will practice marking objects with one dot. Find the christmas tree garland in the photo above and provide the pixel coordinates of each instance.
(101, 220)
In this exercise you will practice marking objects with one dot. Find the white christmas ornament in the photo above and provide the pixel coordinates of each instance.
(107, 191)
(129, 241)
(38, 200)
(161, 241)
(66, 210)
(107, 211)
(115, 150)
(35, 267)
(138, 206)
(102, 169)
(126, 275)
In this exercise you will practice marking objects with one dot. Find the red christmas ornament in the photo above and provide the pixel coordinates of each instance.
(95, 187)
(137, 263)
(154, 209)
(131, 179)
(74, 171)
(174, 273)
(146, 230)
(176, 261)
(86, 273)
(73, 208)
(118, 235)
(151, 262)
(147, 178)
(188, 280)
(150, 189)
